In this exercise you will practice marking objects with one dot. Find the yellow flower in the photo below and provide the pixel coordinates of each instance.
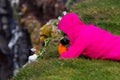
(42, 38)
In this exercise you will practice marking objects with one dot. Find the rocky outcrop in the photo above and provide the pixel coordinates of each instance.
(44, 9)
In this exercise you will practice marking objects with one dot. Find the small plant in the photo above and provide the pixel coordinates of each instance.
(43, 49)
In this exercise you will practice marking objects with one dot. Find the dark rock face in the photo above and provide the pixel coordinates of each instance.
(18, 50)
(6, 56)
(6, 64)
(45, 9)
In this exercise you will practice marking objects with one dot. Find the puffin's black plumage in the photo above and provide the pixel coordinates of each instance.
(64, 41)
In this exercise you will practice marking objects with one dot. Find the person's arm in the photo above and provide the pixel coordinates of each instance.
(74, 50)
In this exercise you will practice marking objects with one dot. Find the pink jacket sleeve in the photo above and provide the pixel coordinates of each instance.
(74, 50)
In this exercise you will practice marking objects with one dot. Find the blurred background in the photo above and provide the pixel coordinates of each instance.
(20, 27)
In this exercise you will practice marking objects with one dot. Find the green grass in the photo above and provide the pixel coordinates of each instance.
(77, 69)
(103, 13)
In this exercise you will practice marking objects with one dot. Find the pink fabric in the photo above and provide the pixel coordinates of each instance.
(88, 40)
